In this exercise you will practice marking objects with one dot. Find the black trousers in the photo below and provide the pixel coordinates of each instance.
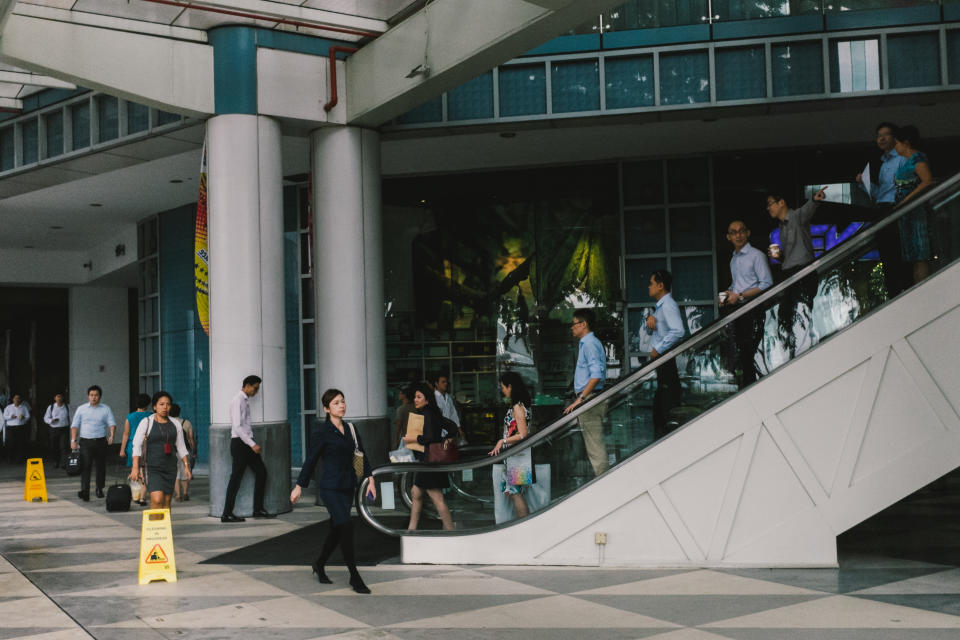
(59, 442)
(93, 451)
(17, 437)
(243, 457)
(666, 397)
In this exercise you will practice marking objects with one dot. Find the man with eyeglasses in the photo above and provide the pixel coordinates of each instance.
(588, 380)
(749, 277)
(665, 326)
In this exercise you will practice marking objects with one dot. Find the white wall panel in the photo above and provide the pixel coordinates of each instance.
(99, 347)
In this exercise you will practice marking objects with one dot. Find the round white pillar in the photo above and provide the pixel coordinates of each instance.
(348, 277)
(245, 231)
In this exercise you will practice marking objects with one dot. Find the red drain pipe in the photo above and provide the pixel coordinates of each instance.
(334, 98)
(266, 18)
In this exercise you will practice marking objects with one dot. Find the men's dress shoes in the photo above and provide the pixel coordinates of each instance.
(263, 514)
(99, 492)
(229, 517)
(85, 496)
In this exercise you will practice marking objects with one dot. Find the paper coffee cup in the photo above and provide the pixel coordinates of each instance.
(722, 297)
(774, 251)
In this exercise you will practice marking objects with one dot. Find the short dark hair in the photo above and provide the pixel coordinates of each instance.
(157, 396)
(664, 277)
(427, 392)
(886, 125)
(143, 400)
(251, 380)
(776, 196)
(328, 397)
(586, 315)
(439, 374)
(909, 134)
(175, 410)
(94, 387)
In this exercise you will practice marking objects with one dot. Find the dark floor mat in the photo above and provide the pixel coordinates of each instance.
(302, 546)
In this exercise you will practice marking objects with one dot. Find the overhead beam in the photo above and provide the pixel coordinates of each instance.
(457, 40)
(165, 73)
(11, 104)
(34, 80)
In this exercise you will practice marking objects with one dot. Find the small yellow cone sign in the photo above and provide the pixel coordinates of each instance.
(35, 487)
(156, 547)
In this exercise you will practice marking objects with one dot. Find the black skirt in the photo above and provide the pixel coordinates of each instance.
(338, 503)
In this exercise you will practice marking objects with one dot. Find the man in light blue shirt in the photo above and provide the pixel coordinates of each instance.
(884, 190)
(588, 380)
(665, 326)
(750, 276)
(88, 433)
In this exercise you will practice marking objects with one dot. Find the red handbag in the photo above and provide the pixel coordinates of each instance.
(445, 452)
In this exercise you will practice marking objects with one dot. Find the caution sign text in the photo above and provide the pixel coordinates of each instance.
(156, 548)
(35, 486)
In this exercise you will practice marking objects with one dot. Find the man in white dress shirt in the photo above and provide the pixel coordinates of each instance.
(441, 389)
(17, 417)
(57, 418)
(245, 453)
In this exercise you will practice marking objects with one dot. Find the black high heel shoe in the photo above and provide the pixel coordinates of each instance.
(357, 583)
(321, 574)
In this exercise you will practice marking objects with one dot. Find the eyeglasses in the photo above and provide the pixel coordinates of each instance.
(573, 324)
(737, 232)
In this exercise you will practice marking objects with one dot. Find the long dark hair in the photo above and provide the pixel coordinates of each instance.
(519, 393)
(427, 392)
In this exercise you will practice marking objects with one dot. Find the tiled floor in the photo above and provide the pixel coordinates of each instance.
(68, 570)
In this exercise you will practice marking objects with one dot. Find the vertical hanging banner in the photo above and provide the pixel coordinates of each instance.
(201, 262)
(156, 548)
(35, 485)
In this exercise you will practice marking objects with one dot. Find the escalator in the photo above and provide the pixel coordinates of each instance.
(856, 405)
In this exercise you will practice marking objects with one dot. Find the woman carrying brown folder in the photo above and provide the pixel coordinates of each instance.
(430, 483)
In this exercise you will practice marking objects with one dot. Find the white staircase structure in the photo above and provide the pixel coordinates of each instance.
(771, 476)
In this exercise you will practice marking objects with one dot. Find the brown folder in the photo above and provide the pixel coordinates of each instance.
(415, 428)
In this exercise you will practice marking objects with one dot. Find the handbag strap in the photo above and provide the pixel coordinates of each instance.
(356, 444)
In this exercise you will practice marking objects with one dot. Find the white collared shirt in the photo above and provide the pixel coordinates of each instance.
(447, 407)
(16, 416)
(57, 415)
(240, 425)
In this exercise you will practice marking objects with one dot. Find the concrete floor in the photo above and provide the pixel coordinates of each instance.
(68, 569)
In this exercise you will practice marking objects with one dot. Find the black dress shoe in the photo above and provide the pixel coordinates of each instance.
(229, 517)
(83, 495)
(321, 574)
(357, 583)
(263, 514)
(99, 493)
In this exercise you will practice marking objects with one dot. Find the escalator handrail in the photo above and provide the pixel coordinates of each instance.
(828, 259)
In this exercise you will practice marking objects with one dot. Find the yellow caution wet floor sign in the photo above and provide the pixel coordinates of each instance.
(35, 487)
(156, 547)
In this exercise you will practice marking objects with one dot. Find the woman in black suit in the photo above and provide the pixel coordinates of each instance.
(335, 441)
(431, 483)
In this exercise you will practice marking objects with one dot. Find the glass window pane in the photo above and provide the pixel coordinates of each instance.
(741, 73)
(29, 132)
(575, 86)
(309, 389)
(308, 344)
(138, 117)
(523, 90)
(7, 149)
(690, 229)
(306, 297)
(696, 317)
(684, 78)
(629, 82)
(693, 278)
(739, 10)
(953, 55)
(165, 117)
(797, 68)
(53, 123)
(645, 231)
(644, 14)
(643, 182)
(430, 111)
(80, 121)
(913, 60)
(305, 255)
(472, 100)
(854, 65)
(639, 271)
(108, 118)
(689, 180)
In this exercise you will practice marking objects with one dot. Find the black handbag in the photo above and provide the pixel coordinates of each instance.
(73, 463)
(445, 452)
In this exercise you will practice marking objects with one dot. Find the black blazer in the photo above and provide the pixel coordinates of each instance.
(336, 449)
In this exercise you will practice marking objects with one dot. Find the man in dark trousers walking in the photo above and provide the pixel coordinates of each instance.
(245, 453)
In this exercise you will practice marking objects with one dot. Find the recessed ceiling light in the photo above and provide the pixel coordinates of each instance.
(28, 246)
(55, 226)
(95, 204)
(508, 134)
(176, 181)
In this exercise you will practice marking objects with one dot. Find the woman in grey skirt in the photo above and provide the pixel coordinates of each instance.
(158, 445)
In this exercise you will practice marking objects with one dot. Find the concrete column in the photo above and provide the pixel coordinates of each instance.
(348, 277)
(245, 214)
